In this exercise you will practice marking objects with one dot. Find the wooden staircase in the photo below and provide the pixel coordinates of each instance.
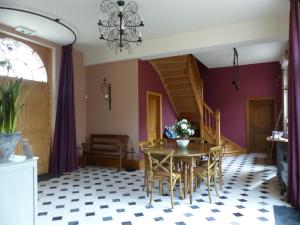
(184, 86)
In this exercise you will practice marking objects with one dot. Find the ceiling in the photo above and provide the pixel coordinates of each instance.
(163, 19)
(248, 54)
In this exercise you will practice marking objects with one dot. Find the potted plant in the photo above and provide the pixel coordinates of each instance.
(183, 130)
(10, 106)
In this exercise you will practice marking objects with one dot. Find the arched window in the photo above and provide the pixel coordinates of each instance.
(24, 61)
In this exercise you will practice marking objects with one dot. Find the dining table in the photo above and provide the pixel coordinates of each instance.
(188, 158)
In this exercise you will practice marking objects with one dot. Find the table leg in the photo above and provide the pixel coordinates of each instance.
(185, 179)
(191, 179)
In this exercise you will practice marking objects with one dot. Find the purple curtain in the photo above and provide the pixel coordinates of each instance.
(64, 154)
(293, 193)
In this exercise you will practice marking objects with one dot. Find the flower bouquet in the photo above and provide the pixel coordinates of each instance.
(183, 130)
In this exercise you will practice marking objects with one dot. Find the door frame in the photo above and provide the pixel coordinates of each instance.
(248, 115)
(156, 94)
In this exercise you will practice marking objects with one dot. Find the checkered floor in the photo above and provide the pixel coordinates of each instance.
(104, 196)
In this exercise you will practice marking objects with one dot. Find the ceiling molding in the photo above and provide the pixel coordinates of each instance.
(243, 33)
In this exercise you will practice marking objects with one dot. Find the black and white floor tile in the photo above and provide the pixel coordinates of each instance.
(95, 195)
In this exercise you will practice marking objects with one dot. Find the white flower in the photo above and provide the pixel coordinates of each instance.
(183, 126)
(184, 120)
(193, 132)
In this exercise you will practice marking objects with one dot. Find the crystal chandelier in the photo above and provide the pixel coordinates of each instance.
(122, 25)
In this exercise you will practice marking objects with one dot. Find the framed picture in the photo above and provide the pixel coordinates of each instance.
(27, 149)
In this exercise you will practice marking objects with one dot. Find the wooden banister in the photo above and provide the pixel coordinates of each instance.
(218, 127)
(209, 119)
(182, 80)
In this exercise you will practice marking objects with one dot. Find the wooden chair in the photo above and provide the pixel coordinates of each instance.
(143, 145)
(220, 167)
(160, 141)
(197, 140)
(161, 169)
(209, 171)
(203, 141)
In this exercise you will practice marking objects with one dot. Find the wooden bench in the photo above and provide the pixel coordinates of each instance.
(106, 146)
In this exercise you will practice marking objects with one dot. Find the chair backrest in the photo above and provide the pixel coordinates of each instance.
(144, 145)
(214, 156)
(197, 140)
(160, 141)
(159, 161)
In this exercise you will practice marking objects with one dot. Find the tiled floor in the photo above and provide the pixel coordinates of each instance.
(104, 196)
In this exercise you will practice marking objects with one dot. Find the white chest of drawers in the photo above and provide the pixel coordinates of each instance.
(18, 191)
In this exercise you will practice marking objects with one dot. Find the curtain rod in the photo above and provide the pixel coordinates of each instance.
(43, 16)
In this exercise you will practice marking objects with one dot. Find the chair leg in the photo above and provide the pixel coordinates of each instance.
(208, 188)
(160, 188)
(145, 179)
(215, 183)
(151, 193)
(171, 193)
(220, 178)
(180, 188)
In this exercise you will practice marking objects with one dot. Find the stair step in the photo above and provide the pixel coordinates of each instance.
(188, 105)
(173, 59)
(177, 80)
(174, 74)
(190, 116)
(181, 93)
(185, 101)
(183, 86)
(174, 69)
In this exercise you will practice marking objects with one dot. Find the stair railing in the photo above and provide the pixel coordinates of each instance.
(210, 120)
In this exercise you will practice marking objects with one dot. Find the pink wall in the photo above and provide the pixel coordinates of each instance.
(79, 73)
(256, 80)
(150, 81)
(123, 116)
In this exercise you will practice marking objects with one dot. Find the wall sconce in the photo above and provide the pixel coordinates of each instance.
(106, 90)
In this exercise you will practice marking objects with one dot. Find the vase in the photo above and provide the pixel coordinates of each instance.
(8, 143)
(182, 144)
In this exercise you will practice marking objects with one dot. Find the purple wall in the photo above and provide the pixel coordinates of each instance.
(256, 80)
(150, 81)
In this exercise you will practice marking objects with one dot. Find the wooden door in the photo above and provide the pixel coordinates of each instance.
(35, 122)
(261, 123)
(154, 118)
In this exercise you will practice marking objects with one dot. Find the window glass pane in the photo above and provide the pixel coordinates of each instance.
(25, 63)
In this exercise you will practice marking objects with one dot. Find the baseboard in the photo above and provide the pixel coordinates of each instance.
(110, 162)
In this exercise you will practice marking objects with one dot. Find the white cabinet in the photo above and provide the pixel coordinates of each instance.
(18, 191)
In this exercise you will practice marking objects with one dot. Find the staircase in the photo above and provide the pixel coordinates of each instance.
(184, 86)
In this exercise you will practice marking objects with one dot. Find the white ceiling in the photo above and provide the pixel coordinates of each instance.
(162, 18)
(45, 28)
(248, 54)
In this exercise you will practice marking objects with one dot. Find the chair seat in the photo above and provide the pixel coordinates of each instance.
(161, 174)
(200, 170)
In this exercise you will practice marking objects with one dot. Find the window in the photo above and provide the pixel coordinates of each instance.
(24, 61)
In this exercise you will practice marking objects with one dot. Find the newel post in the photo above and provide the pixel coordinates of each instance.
(218, 127)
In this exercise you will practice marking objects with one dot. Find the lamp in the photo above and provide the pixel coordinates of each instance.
(121, 27)
(236, 70)
(106, 90)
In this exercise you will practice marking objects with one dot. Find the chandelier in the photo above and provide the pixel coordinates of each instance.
(122, 25)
